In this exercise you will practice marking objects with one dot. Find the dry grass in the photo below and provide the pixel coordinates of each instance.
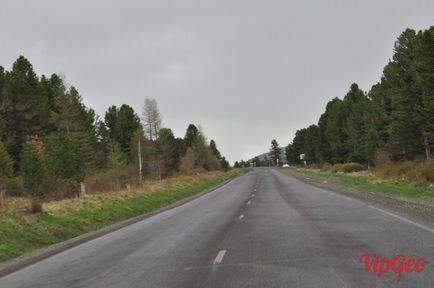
(24, 205)
(368, 182)
(419, 171)
(413, 171)
(22, 232)
(339, 167)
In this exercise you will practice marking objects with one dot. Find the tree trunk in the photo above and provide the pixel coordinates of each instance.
(426, 144)
(82, 190)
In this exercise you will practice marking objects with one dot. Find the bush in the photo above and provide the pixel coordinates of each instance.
(336, 168)
(394, 170)
(422, 173)
(14, 186)
(35, 205)
(414, 171)
(352, 167)
(327, 167)
(111, 180)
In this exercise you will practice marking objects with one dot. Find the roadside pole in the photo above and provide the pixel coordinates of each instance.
(140, 161)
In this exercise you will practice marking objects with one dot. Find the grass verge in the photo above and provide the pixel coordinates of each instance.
(366, 182)
(22, 233)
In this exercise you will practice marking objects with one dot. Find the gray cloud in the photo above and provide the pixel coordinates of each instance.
(247, 71)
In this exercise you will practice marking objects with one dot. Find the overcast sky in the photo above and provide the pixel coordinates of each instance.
(246, 71)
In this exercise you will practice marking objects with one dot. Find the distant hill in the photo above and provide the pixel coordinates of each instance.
(264, 156)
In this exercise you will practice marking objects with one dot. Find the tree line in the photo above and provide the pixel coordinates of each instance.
(50, 141)
(395, 117)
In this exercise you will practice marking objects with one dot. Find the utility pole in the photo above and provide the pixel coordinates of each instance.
(140, 160)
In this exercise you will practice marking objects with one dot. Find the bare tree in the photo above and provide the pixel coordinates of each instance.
(151, 118)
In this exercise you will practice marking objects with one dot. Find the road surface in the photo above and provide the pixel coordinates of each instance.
(263, 229)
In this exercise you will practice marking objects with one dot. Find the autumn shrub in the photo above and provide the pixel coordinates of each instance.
(414, 171)
(422, 173)
(111, 180)
(336, 168)
(326, 167)
(352, 167)
(394, 170)
(35, 205)
(314, 166)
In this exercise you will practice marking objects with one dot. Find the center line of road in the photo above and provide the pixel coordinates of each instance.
(253, 195)
(241, 216)
(219, 257)
(248, 202)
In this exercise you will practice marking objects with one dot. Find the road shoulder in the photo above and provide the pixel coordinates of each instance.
(25, 260)
(419, 212)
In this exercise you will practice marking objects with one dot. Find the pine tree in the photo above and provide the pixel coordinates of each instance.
(6, 164)
(214, 149)
(62, 157)
(21, 106)
(334, 131)
(296, 148)
(198, 155)
(312, 144)
(424, 76)
(275, 152)
(167, 150)
(377, 118)
(404, 132)
(78, 124)
(33, 172)
(224, 164)
(190, 136)
(121, 125)
(355, 103)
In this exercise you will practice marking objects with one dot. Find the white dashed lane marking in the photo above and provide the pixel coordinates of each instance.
(219, 257)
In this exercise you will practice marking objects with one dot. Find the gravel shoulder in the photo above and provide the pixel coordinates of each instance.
(410, 209)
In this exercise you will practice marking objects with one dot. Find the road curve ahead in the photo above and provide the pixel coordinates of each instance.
(263, 229)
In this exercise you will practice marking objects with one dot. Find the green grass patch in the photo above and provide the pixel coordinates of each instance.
(367, 182)
(21, 233)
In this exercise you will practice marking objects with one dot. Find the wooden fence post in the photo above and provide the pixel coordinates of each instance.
(2, 197)
(82, 189)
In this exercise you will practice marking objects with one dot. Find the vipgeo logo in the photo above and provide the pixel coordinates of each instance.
(398, 264)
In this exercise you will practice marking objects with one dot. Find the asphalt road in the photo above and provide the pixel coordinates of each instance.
(263, 229)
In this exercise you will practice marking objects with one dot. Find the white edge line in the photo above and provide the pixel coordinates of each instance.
(373, 207)
(402, 218)
(219, 257)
